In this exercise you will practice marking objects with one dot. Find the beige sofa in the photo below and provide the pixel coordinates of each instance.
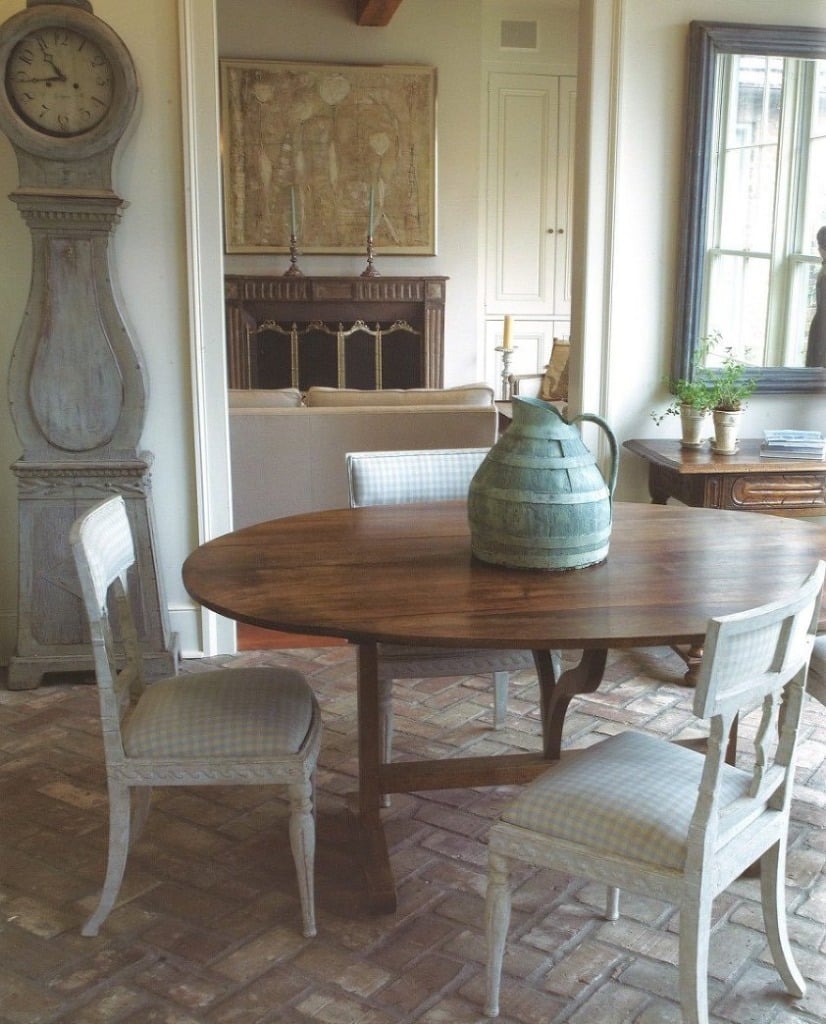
(288, 457)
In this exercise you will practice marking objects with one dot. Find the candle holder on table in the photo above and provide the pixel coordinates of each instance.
(507, 352)
(370, 270)
(292, 270)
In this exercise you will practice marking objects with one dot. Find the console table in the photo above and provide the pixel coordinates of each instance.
(744, 481)
(361, 332)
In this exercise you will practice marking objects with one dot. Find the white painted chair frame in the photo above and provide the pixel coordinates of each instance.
(757, 659)
(403, 477)
(252, 698)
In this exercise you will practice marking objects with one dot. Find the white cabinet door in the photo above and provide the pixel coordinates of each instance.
(530, 154)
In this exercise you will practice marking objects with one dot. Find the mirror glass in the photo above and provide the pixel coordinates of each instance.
(754, 203)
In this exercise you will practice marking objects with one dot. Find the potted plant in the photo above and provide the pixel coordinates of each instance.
(731, 386)
(692, 401)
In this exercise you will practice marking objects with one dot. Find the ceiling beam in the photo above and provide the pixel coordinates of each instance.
(375, 13)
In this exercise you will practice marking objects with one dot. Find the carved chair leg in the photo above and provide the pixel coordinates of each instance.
(386, 726)
(497, 920)
(695, 928)
(141, 800)
(119, 842)
(500, 699)
(773, 896)
(302, 843)
(612, 896)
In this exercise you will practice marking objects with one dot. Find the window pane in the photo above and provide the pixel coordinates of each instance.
(815, 197)
(738, 304)
(750, 157)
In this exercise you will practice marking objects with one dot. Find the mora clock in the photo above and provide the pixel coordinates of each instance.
(77, 385)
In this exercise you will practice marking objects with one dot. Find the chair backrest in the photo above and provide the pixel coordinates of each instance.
(753, 659)
(403, 477)
(103, 549)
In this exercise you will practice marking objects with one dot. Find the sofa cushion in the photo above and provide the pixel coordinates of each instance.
(465, 394)
(264, 398)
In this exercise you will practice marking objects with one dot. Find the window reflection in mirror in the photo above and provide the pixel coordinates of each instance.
(754, 200)
(767, 202)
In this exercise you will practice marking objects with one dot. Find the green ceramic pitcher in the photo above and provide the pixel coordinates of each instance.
(539, 500)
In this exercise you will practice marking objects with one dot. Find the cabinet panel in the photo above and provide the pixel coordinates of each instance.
(522, 271)
(530, 154)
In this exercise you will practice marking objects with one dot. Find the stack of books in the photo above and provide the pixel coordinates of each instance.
(793, 444)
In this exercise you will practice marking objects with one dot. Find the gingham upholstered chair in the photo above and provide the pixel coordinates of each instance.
(245, 726)
(402, 477)
(637, 812)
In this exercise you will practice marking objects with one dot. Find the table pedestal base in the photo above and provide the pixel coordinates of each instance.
(377, 778)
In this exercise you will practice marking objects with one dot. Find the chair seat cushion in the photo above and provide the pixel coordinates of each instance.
(632, 796)
(252, 712)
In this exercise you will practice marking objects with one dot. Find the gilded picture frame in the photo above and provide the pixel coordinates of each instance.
(329, 153)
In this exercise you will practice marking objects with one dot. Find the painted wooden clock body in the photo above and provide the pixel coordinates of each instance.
(77, 384)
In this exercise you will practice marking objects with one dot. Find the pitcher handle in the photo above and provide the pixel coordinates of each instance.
(612, 444)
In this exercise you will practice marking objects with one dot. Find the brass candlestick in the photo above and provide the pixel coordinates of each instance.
(370, 270)
(293, 270)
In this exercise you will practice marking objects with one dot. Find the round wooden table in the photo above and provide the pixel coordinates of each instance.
(405, 574)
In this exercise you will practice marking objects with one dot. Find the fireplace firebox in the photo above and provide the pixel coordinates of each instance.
(382, 332)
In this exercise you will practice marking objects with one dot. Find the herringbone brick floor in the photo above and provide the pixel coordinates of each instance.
(207, 929)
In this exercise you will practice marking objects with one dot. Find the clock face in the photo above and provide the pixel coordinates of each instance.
(59, 81)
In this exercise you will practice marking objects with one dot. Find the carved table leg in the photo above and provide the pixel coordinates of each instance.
(658, 486)
(557, 688)
(364, 806)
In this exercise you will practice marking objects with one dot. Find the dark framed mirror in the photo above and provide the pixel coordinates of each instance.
(753, 199)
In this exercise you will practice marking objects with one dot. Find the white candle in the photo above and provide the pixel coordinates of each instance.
(507, 332)
(370, 215)
(292, 210)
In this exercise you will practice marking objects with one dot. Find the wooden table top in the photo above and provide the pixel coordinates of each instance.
(405, 574)
(668, 452)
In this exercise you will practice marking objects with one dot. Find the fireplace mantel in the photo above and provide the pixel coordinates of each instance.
(368, 332)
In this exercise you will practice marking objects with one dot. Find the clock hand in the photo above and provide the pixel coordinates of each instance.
(49, 59)
(51, 78)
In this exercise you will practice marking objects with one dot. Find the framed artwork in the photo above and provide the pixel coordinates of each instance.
(329, 153)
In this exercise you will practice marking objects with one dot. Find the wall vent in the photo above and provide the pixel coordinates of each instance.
(518, 35)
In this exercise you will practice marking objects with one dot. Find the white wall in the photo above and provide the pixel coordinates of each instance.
(632, 211)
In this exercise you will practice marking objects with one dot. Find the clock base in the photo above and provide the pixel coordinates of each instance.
(52, 635)
(28, 673)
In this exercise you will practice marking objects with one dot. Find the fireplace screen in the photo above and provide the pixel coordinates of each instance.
(368, 333)
(303, 355)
